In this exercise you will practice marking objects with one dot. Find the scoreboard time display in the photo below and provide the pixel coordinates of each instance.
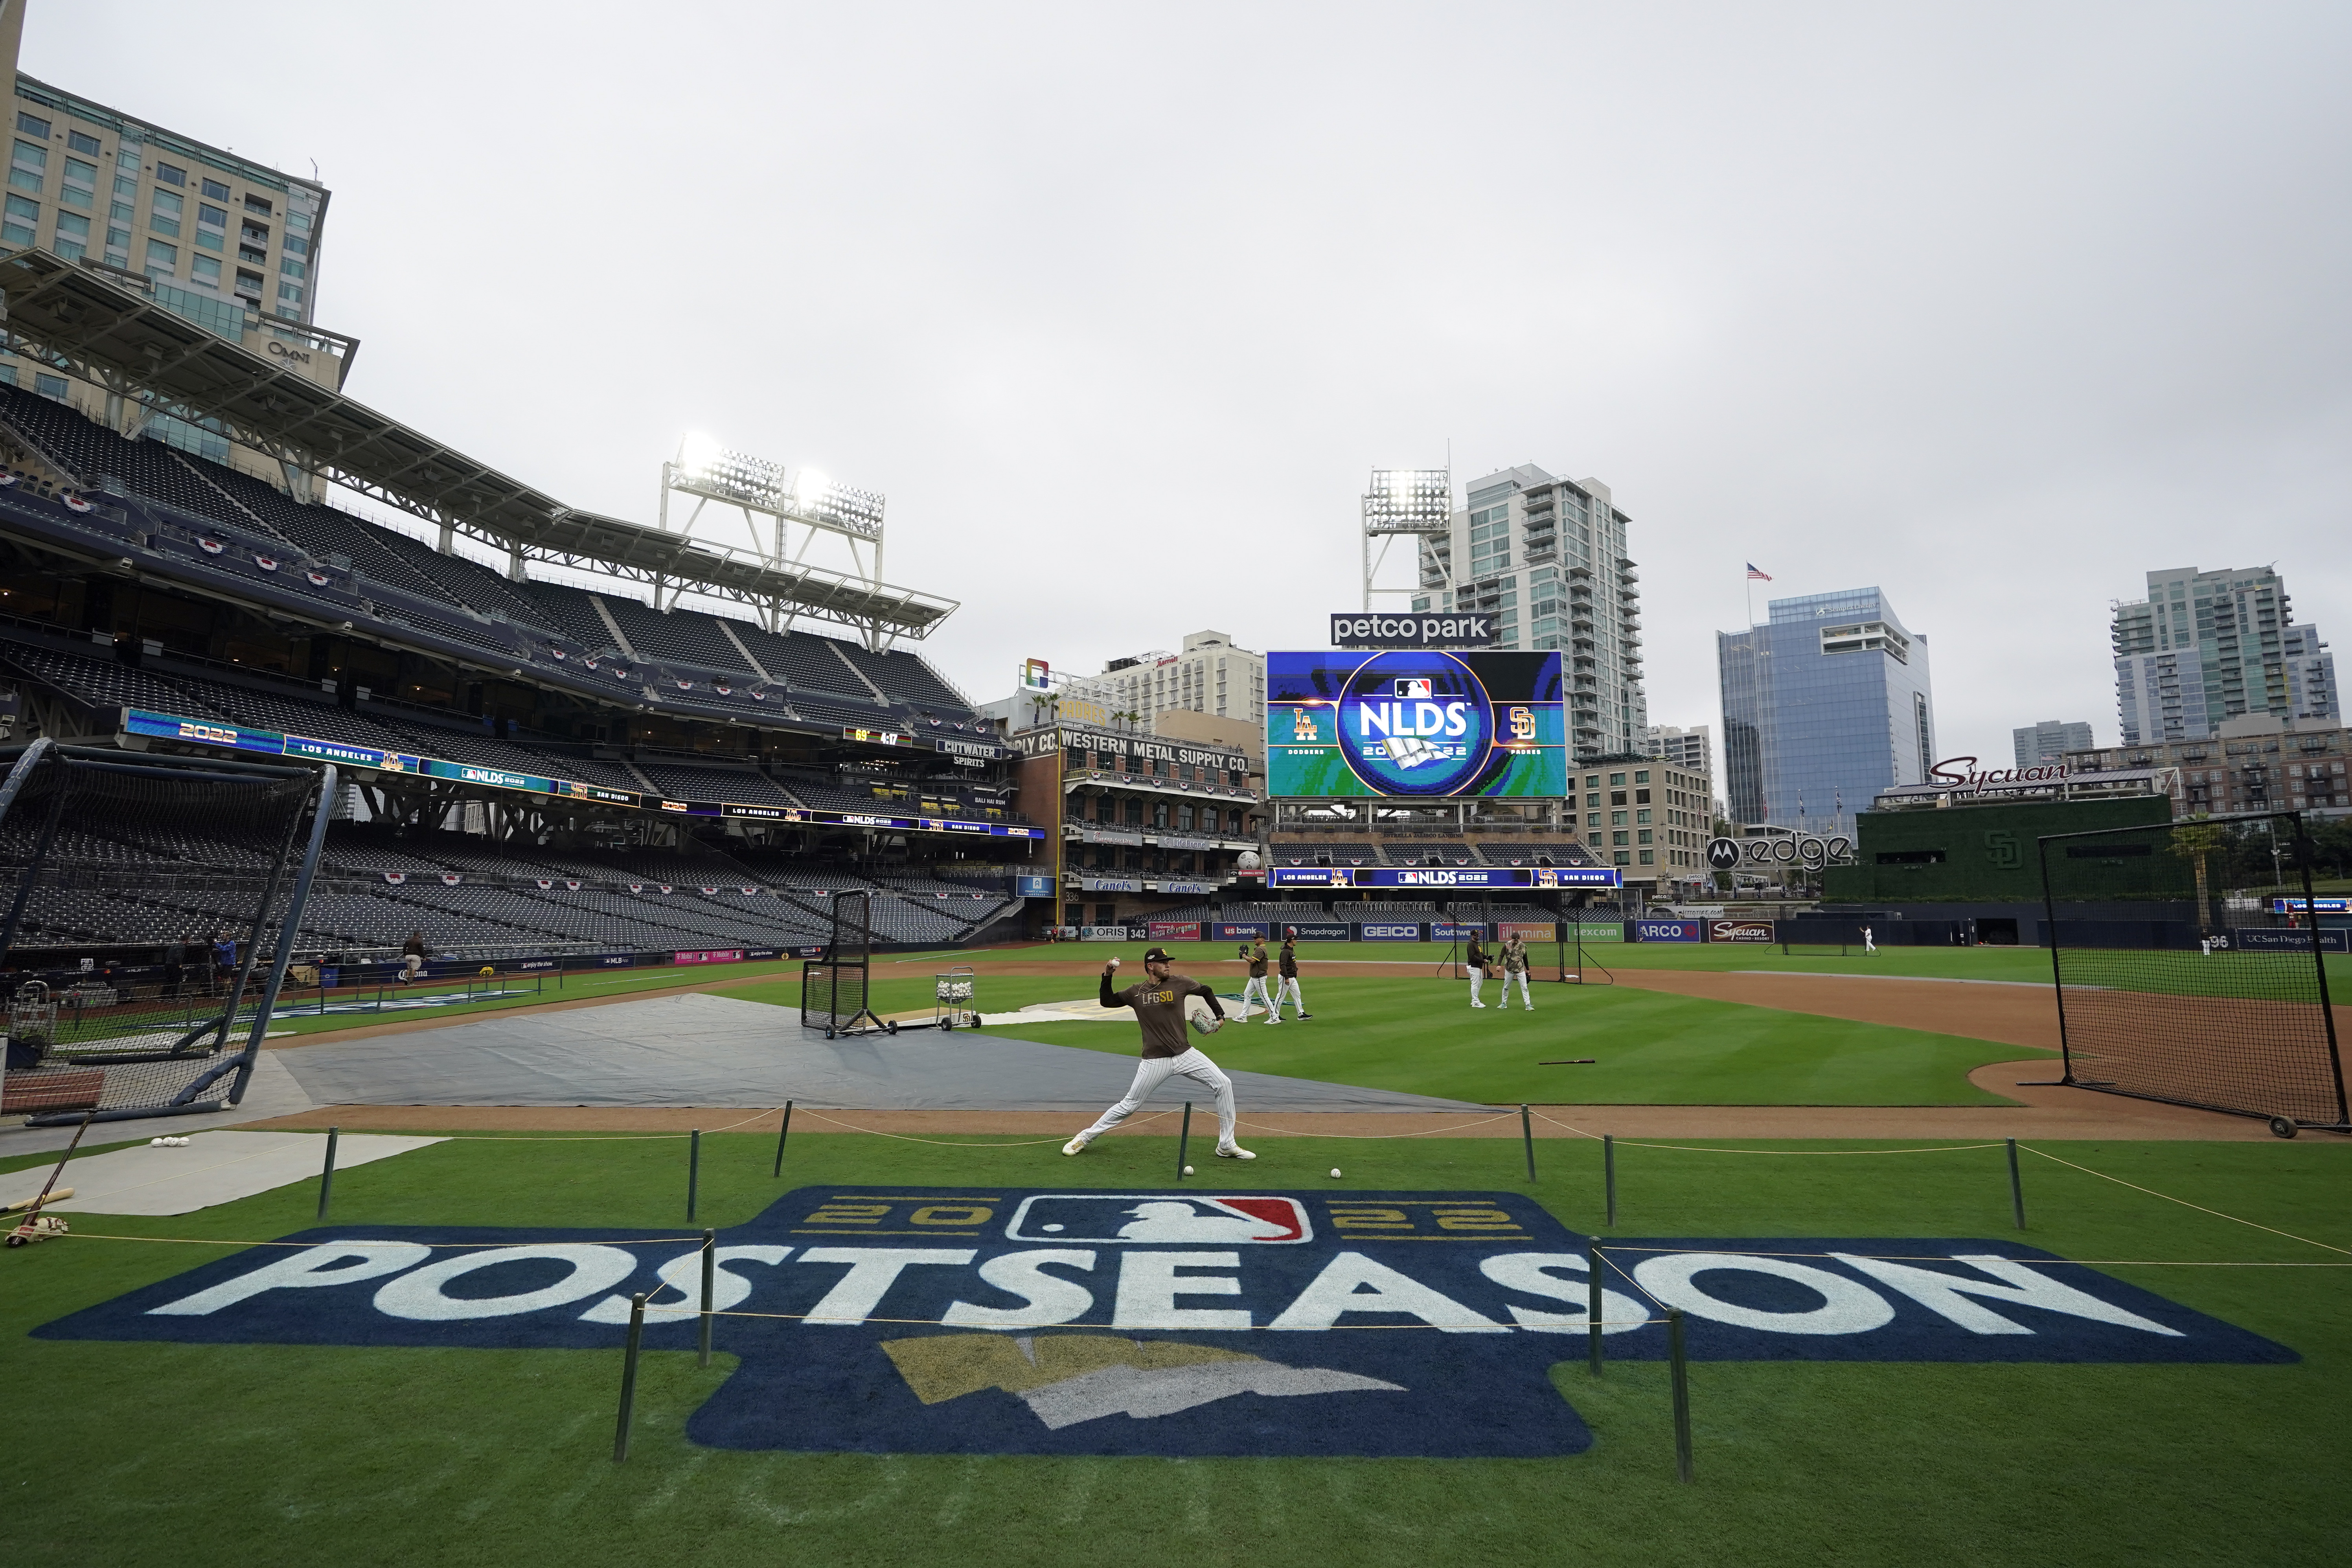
(1415, 723)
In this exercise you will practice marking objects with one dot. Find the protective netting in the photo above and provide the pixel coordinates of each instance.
(2193, 966)
(834, 988)
(91, 849)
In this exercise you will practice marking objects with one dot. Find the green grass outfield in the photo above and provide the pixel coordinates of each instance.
(1649, 1047)
(240, 1454)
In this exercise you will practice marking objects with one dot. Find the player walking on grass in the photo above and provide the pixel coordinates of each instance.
(1256, 989)
(1287, 961)
(1159, 1005)
(1478, 960)
(1514, 967)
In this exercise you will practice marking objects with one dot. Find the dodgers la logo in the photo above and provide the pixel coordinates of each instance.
(1414, 723)
(983, 1320)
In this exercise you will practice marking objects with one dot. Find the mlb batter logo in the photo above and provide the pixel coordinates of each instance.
(1411, 690)
(1168, 1218)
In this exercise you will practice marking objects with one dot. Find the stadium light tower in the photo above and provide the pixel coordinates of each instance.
(1408, 502)
(782, 511)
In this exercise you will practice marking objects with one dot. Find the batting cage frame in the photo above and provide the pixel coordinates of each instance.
(70, 834)
(1568, 963)
(834, 988)
(2227, 1010)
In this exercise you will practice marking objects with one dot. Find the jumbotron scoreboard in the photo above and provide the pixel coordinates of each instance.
(1415, 723)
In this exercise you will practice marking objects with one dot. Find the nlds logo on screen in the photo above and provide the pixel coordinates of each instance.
(1415, 723)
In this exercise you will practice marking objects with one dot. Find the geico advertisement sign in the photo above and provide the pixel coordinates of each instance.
(898, 1320)
(1389, 932)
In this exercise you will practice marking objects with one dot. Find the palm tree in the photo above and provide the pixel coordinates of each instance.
(2194, 842)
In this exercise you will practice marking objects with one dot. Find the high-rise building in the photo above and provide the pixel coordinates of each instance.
(1546, 557)
(1210, 676)
(2206, 646)
(222, 241)
(90, 181)
(1824, 705)
(2049, 740)
(1692, 748)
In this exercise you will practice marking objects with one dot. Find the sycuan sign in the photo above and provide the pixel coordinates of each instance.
(995, 1321)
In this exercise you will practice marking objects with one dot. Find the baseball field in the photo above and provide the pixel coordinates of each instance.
(932, 1334)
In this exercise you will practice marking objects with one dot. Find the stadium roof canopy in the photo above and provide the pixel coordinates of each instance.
(109, 326)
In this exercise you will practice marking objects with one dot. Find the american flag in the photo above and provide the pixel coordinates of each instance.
(1755, 577)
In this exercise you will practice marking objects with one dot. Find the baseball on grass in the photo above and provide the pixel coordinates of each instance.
(1335, 1169)
(1188, 1170)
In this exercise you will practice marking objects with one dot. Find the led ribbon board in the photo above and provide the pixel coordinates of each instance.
(992, 1320)
(1415, 723)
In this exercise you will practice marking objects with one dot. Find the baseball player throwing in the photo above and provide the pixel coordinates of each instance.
(1159, 1005)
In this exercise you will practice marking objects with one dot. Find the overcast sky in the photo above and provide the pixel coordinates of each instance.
(1994, 307)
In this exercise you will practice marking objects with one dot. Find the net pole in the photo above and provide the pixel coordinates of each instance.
(288, 928)
(17, 779)
(2057, 969)
(2303, 851)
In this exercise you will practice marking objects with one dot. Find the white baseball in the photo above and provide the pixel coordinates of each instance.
(1188, 1170)
(1114, 963)
(154, 1143)
(1335, 1169)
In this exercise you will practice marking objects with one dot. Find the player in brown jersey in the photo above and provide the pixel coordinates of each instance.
(1287, 964)
(1159, 1005)
(1255, 991)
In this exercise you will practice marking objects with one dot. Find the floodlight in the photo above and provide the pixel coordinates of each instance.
(697, 452)
(1409, 500)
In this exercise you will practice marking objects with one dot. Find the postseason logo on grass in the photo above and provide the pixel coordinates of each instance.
(989, 1321)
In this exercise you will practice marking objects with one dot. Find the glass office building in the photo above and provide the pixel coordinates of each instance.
(1824, 705)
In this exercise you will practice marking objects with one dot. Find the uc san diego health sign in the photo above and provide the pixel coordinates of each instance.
(996, 1320)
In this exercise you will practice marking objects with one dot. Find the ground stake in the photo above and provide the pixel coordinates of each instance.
(781, 1133)
(629, 1377)
(709, 1288)
(327, 1173)
(1527, 1136)
(1680, 1368)
(1183, 1136)
(2016, 1187)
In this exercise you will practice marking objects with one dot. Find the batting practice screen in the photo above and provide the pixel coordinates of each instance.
(2192, 966)
(1415, 723)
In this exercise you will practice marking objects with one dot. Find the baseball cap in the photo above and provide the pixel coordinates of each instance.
(1157, 955)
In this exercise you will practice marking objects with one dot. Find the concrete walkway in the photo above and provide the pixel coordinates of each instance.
(700, 1050)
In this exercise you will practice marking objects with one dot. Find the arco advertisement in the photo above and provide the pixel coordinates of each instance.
(1415, 723)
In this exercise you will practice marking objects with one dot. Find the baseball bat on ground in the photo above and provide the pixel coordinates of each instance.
(60, 1195)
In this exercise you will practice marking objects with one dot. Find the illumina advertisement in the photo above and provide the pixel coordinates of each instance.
(1415, 723)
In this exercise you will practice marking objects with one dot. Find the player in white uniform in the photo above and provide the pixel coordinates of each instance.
(1159, 1005)
(1288, 962)
(1256, 990)
(1514, 967)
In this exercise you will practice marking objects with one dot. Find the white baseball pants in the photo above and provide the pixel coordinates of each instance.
(1521, 976)
(1287, 992)
(1478, 981)
(1256, 990)
(1153, 1071)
